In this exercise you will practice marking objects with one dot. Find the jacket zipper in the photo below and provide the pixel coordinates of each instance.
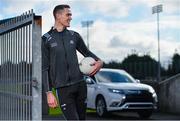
(66, 58)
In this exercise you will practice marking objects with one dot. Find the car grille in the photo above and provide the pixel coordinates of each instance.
(138, 96)
(140, 105)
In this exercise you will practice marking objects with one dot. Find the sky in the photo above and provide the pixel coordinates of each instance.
(120, 27)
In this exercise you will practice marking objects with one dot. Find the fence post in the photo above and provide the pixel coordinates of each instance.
(36, 72)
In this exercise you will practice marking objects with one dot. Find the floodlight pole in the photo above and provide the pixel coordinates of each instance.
(87, 24)
(157, 9)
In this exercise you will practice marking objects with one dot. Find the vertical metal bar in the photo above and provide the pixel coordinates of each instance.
(16, 56)
(6, 101)
(25, 77)
(28, 63)
(12, 71)
(21, 81)
(5, 75)
(19, 71)
(2, 75)
(7, 70)
(15, 73)
(21, 100)
(26, 38)
(0, 79)
(6, 66)
(1, 84)
(3, 56)
(23, 73)
(36, 72)
(31, 103)
(28, 52)
(10, 74)
(7, 53)
(8, 80)
(18, 87)
(12, 79)
(23, 70)
(28, 89)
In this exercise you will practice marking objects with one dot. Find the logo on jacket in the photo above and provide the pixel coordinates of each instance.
(71, 42)
(53, 44)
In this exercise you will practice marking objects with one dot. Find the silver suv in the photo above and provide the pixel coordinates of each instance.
(115, 90)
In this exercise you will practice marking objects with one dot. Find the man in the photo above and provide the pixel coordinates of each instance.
(60, 66)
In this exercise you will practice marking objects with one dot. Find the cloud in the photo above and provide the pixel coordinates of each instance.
(16, 7)
(118, 39)
(115, 8)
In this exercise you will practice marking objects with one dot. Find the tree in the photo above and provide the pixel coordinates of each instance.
(140, 67)
(176, 63)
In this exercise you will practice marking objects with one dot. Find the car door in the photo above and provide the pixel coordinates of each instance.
(91, 92)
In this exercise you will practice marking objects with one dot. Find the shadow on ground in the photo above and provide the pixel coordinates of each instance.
(93, 116)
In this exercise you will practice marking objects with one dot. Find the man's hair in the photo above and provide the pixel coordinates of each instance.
(58, 8)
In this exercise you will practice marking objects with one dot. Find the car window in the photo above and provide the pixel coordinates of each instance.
(115, 77)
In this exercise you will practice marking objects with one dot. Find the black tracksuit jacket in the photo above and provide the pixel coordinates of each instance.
(59, 58)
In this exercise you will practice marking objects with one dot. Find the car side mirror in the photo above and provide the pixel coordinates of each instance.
(89, 81)
(137, 81)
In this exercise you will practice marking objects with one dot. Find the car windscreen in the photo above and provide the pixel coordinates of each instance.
(115, 77)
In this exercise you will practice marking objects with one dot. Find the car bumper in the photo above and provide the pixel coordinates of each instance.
(133, 106)
(132, 102)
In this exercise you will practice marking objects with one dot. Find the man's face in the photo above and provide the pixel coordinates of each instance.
(64, 17)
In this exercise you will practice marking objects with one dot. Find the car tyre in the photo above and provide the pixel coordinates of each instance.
(101, 109)
(145, 114)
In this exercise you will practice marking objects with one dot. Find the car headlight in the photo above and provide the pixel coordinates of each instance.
(118, 91)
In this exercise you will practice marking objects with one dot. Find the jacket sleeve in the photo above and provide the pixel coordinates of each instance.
(45, 66)
(82, 48)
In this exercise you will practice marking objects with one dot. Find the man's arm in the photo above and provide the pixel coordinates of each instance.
(51, 99)
(82, 48)
(45, 65)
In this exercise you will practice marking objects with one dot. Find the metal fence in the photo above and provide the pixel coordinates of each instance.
(20, 67)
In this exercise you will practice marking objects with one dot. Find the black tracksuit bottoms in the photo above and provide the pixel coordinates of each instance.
(72, 101)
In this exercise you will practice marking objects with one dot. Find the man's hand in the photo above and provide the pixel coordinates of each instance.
(97, 66)
(51, 100)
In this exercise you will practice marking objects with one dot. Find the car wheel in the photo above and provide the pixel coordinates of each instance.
(101, 107)
(145, 114)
